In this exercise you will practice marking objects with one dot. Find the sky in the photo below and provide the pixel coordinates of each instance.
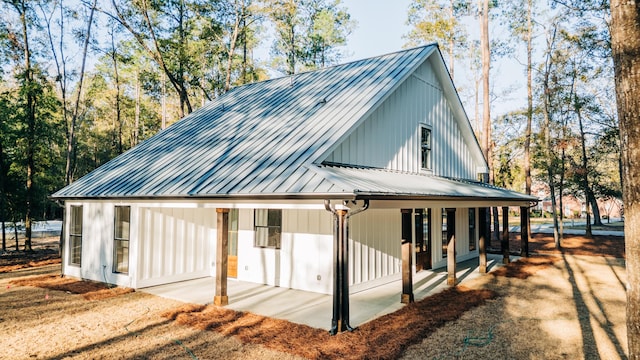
(381, 25)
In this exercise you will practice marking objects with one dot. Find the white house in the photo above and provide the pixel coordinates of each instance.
(263, 185)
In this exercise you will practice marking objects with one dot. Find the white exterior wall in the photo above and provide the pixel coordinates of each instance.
(390, 137)
(462, 237)
(97, 244)
(375, 253)
(176, 244)
(304, 260)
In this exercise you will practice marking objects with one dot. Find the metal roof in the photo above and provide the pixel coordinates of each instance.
(262, 139)
(377, 183)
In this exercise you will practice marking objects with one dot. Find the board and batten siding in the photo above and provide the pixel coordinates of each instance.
(390, 137)
(374, 248)
(176, 244)
(304, 260)
(97, 243)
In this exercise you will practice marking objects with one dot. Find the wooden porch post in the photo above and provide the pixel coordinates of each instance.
(451, 247)
(407, 273)
(482, 241)
(222, 255)
(504, 243)
(524, 231)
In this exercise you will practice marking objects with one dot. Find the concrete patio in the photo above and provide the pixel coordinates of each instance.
(315, 309)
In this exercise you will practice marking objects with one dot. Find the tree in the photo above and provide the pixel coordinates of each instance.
(625, 41)
(329, 26)
(308, 33)
(167, 31)
(548, 144)
(439, 21)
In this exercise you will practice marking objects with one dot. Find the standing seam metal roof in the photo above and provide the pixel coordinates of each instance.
(254, 139)
(265, 139)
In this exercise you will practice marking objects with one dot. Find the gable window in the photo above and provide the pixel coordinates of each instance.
(268, 224)
(75, 236)
(121, 239)
(472, 229)
(425, 148)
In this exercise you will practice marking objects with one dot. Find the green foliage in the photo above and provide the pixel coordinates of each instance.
(309, 33)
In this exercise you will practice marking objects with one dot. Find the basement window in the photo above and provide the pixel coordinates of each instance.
(425, 148)
(75, 236)
(121, 239)
(268, 225)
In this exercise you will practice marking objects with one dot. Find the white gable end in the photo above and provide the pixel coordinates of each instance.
(389, 138)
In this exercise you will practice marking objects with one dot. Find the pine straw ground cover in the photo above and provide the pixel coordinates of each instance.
(383, 338)
(517, 318)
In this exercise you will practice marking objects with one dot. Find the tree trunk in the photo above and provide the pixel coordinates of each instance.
(3, 197)
(546, 128)
(486, 62)
(625, 41)
(31, 122)
(597, 218)
(117, 118)
(71, 146)
(527, 134)
(585, 169)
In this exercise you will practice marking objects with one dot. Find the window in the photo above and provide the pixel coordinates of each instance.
(445, 238)
(423, 227)
(233, 232)
(425, 147)
(121, 239)
(75, 236)
(267, 226)
(472, 229)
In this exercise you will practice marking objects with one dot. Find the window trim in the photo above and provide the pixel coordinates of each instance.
(75, 238)
(444, 231)
(118, 242)
(429, 147)
(472, 229)
(258, 243)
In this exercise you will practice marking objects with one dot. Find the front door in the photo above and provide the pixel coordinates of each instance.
(423, 239)
(232, 261)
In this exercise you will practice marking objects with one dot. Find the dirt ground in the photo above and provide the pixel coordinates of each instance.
(556, 306)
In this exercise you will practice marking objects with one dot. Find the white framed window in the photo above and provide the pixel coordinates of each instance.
(425, 148)
(121, 239)
(472, 229)
(75, 236)
(267, 225)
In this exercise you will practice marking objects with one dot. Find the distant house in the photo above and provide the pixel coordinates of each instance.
(263, 183)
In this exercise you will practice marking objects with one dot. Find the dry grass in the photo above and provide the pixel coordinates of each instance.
(525, 267)
(568, 307)
(90, 290)
(383, 338)
(596, 245)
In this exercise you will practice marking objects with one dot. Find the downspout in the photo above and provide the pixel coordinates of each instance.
(340, 320)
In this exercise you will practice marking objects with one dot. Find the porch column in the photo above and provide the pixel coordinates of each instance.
(340, 320)
(407, 273)
(482, 240)
(504, 243)
(524, 231)
(222, 255)
(451, 247)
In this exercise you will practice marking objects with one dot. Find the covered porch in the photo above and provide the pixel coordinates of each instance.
(312, 308)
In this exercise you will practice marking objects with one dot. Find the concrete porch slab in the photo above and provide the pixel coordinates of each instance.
(315, 309)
